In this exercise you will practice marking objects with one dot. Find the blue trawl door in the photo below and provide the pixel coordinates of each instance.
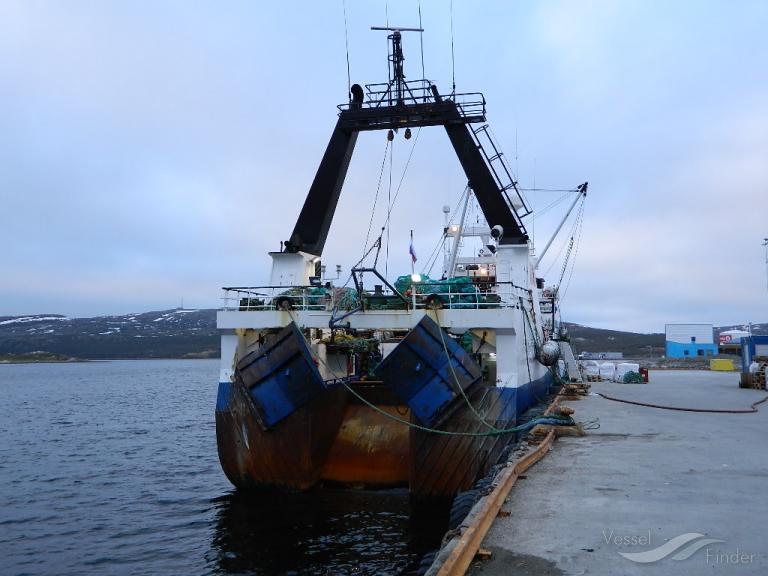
(281, 376)
(422, 375)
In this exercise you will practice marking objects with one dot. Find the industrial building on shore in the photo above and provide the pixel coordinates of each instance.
(729, 341)
(690, 340)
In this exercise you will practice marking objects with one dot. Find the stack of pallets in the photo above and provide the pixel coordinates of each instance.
(759, 377)
(756, 380)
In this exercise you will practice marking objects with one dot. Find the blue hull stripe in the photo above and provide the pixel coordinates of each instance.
(533, 392)
(515, 401)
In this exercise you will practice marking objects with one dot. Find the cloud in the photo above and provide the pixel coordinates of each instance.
(149, 152)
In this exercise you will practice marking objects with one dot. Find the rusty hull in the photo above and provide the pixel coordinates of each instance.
(370, 448)
(443, 465)
(290, 455)
(337, 438)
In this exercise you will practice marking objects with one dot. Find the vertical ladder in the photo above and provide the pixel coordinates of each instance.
(501, 173)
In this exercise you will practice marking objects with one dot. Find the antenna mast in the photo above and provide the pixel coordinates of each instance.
(396, 60)
(400, 104)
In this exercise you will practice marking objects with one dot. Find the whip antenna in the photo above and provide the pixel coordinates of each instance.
(346, 46)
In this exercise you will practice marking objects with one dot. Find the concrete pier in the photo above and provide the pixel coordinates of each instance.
(645, 479)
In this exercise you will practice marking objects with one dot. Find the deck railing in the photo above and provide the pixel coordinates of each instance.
(381, 95)
(266, 298)
(426, 295)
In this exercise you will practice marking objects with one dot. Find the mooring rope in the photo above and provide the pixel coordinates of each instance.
(456, 378)
(751, 410)
(550, 419)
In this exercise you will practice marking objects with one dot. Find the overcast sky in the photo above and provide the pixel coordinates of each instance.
(151, 151)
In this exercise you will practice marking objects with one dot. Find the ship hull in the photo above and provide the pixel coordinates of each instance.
(371, 450)
(427, 416)
(338, 439)
(443, 465)
(290, 455)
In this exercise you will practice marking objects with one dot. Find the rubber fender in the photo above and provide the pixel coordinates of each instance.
(461, 506)
(426, 563)
(484, 485)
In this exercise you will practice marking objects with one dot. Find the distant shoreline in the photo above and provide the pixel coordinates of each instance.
(73, 361)
(6, 359)
(38, 358)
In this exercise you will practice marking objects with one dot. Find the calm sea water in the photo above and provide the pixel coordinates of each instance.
(111, 468)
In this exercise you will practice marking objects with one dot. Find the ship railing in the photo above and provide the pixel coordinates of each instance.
(475, 296)
(381, 95)
(266, 298)
(421, 295)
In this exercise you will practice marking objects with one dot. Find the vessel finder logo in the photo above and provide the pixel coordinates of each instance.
(680, 548)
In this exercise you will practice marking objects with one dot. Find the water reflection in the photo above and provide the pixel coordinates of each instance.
(321, 532)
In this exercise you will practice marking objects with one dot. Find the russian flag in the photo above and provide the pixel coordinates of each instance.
(412, 250)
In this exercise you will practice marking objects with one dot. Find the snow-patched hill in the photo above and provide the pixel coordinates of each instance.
(184, 333)
(164, 334)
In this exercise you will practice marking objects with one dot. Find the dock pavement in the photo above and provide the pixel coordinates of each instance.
(651, 492)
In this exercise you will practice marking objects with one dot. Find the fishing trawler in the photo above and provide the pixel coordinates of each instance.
(418, 381)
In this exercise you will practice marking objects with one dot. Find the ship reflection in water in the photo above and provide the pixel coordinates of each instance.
(321, 532)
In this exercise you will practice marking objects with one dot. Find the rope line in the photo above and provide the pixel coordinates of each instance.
(525, 339)
(565, 242)
(534, 333)
(576, 251)
(479, 416)
(548, 207)
(751, 410)
(551, 419)
(547, 189)
(427, 269)
(392, 200)
(376, 198)
(432, 260)
(402, 176)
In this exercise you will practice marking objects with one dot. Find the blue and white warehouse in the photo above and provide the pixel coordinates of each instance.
(690, 340)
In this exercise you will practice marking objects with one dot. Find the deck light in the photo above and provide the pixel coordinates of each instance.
(415, 277)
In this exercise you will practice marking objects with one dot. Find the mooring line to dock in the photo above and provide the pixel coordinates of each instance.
(751, 410)
(456, 378)
(547, 418)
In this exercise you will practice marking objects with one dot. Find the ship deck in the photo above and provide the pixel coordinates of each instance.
(646, 473)
(462, 319)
